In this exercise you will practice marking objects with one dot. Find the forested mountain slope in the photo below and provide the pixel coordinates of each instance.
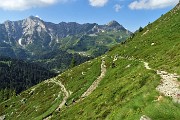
(17, 75)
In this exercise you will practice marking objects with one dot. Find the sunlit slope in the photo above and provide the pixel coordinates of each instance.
(128, 90)
(158, 43)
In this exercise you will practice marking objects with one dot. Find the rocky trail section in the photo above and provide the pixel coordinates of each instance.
(169, 85)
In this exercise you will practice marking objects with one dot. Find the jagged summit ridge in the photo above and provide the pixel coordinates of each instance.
(34, 26)
(33, 36)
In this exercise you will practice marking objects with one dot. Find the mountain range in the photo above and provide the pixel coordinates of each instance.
(36, 40)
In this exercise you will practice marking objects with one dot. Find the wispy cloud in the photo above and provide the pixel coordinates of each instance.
(152, 4)
(98, 3)
(117, 7)
(26, 4)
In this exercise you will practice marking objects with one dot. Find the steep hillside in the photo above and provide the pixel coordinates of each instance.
(138, 79)
(158, 43)
(43, 99)
(132, 88)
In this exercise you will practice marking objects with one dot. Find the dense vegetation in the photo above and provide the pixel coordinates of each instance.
(58, 61)
(94, 44)
(17, 76)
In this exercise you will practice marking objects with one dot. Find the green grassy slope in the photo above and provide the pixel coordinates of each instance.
(128, 89)
(165, 35)
(41, 100)
(126, 93)
(94, 44)
(129, 93)
(33, 102)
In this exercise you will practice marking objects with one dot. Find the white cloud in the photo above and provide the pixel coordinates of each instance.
(117, 7)
(98, 3)
(26, 4)
(152, 4)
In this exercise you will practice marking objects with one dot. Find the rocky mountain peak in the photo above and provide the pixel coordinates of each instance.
(34, 18)
(113, 24)
(7, 22)
(33, 22)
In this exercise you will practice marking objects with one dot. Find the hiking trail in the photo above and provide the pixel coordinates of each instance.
(66, 95)
(96, 82)
(169, 85)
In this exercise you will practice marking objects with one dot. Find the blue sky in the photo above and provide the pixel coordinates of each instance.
(130, 13)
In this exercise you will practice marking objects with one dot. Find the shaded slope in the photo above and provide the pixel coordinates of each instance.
(17, 76)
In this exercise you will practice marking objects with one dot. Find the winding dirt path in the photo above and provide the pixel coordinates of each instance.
(169, 85)
(85, 94)
(66, 95)
(96, 82)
